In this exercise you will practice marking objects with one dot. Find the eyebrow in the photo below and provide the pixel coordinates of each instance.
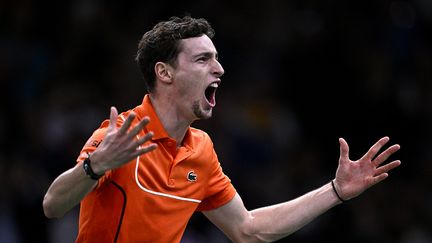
(206, 54)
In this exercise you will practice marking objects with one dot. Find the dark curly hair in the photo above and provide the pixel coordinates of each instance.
(161, 44)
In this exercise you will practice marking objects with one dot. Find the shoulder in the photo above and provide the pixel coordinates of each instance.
(99, 134)
(202, 144)
(201, 136)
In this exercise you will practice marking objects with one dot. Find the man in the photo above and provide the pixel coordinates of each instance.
(143, 173)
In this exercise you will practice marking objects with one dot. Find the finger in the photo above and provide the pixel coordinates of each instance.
(139, 127)
(113, 118)
(386, 168)
(344, 150)
(141, 140)
(145, 149)
(145, 138)
(375, 148)
(386, 154)
(127, 123)
(378, 179)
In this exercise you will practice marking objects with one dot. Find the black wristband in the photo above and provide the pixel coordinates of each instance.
(337, 194)
(89, 171)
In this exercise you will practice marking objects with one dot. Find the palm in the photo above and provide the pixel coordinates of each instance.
(354, 177)
(121, 144)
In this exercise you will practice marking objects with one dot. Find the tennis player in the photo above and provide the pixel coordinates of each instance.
(144, 172)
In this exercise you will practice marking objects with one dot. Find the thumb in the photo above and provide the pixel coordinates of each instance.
(344, 150)
(113, 118)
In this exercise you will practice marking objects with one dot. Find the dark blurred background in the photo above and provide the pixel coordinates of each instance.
(299, 75)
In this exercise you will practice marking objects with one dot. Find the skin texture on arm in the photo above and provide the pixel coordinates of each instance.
(66, 191)
(274, 222)
(118, 147)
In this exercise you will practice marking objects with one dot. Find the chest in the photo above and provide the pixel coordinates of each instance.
(176, 173)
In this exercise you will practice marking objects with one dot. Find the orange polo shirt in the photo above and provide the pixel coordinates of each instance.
(151, 198)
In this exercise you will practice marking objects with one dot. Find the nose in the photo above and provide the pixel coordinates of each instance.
(217, 69)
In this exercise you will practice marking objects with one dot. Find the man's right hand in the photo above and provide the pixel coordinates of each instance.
(120, 145)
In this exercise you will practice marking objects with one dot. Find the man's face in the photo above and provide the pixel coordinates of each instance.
(197, 76)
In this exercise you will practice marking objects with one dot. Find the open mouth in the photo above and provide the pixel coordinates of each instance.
(210, 93)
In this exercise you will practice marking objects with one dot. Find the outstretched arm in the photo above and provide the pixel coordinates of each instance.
(118, 147)
(274, 222)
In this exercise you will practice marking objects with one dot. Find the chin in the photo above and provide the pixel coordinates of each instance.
(204, 115)
(200, 113)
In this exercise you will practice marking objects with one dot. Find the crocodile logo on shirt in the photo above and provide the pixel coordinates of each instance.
(191, 176)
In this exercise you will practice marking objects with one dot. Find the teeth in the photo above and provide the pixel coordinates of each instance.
(214, 85)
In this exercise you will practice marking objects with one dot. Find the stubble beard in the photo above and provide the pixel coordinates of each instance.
(199, 112)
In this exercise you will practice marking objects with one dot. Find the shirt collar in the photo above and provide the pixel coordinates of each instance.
(155, 125)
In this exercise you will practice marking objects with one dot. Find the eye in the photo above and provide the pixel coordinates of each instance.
(201, 59)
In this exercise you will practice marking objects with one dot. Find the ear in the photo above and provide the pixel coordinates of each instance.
(163, 72)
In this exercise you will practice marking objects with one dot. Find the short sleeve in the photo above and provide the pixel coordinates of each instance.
(220, 190)
(92, 143)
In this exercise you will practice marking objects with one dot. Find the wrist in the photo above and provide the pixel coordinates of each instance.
(90, 170)
(337, 192)
(96, 164)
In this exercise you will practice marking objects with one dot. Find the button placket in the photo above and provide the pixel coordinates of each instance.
(171, 148)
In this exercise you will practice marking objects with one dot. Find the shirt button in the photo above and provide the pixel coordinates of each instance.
(171, 182)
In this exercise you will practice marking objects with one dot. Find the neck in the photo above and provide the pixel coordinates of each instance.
(171, 118)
